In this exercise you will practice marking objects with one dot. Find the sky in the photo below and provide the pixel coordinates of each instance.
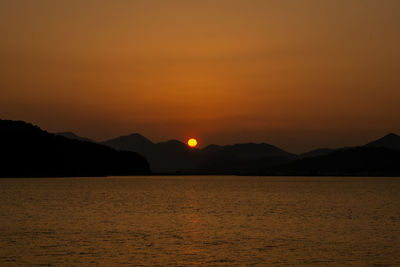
(296, 74)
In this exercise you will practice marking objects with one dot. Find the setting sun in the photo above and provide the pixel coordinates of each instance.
(192, 142)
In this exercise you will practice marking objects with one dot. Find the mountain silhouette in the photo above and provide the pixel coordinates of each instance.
(375, 158)
(175, 156)
(73, 136)
(391, 141)
(134, 142)
(242, 158)
(169, 156)
(317, 152)
(356, 161)
(28, 151)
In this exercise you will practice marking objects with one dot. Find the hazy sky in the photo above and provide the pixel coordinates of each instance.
(297, 74)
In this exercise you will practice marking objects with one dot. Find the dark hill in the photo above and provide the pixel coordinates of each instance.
(28, 151)
(357, 161)
(175, 156)
(134, 142)
(242, 158)
(169, 156)
(317, 152)
(391, 141)
(376, 158)
(73, 136)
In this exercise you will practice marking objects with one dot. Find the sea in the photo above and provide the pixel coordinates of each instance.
(200, 221)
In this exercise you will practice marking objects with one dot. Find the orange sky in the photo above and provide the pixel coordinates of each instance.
(297, 74)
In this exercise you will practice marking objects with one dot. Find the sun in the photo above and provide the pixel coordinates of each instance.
(192, 142)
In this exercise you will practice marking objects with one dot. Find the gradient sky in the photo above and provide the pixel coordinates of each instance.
(297, 74)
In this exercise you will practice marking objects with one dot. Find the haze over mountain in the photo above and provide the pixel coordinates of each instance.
(28, 151)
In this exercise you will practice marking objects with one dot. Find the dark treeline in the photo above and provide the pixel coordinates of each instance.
(28, 151)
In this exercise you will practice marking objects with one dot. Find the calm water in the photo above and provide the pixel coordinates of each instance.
(191, 221)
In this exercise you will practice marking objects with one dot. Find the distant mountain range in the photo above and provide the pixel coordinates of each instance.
(28, 151)
(175, 156)
(380, 157)
(356, 161)
(170, 156)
